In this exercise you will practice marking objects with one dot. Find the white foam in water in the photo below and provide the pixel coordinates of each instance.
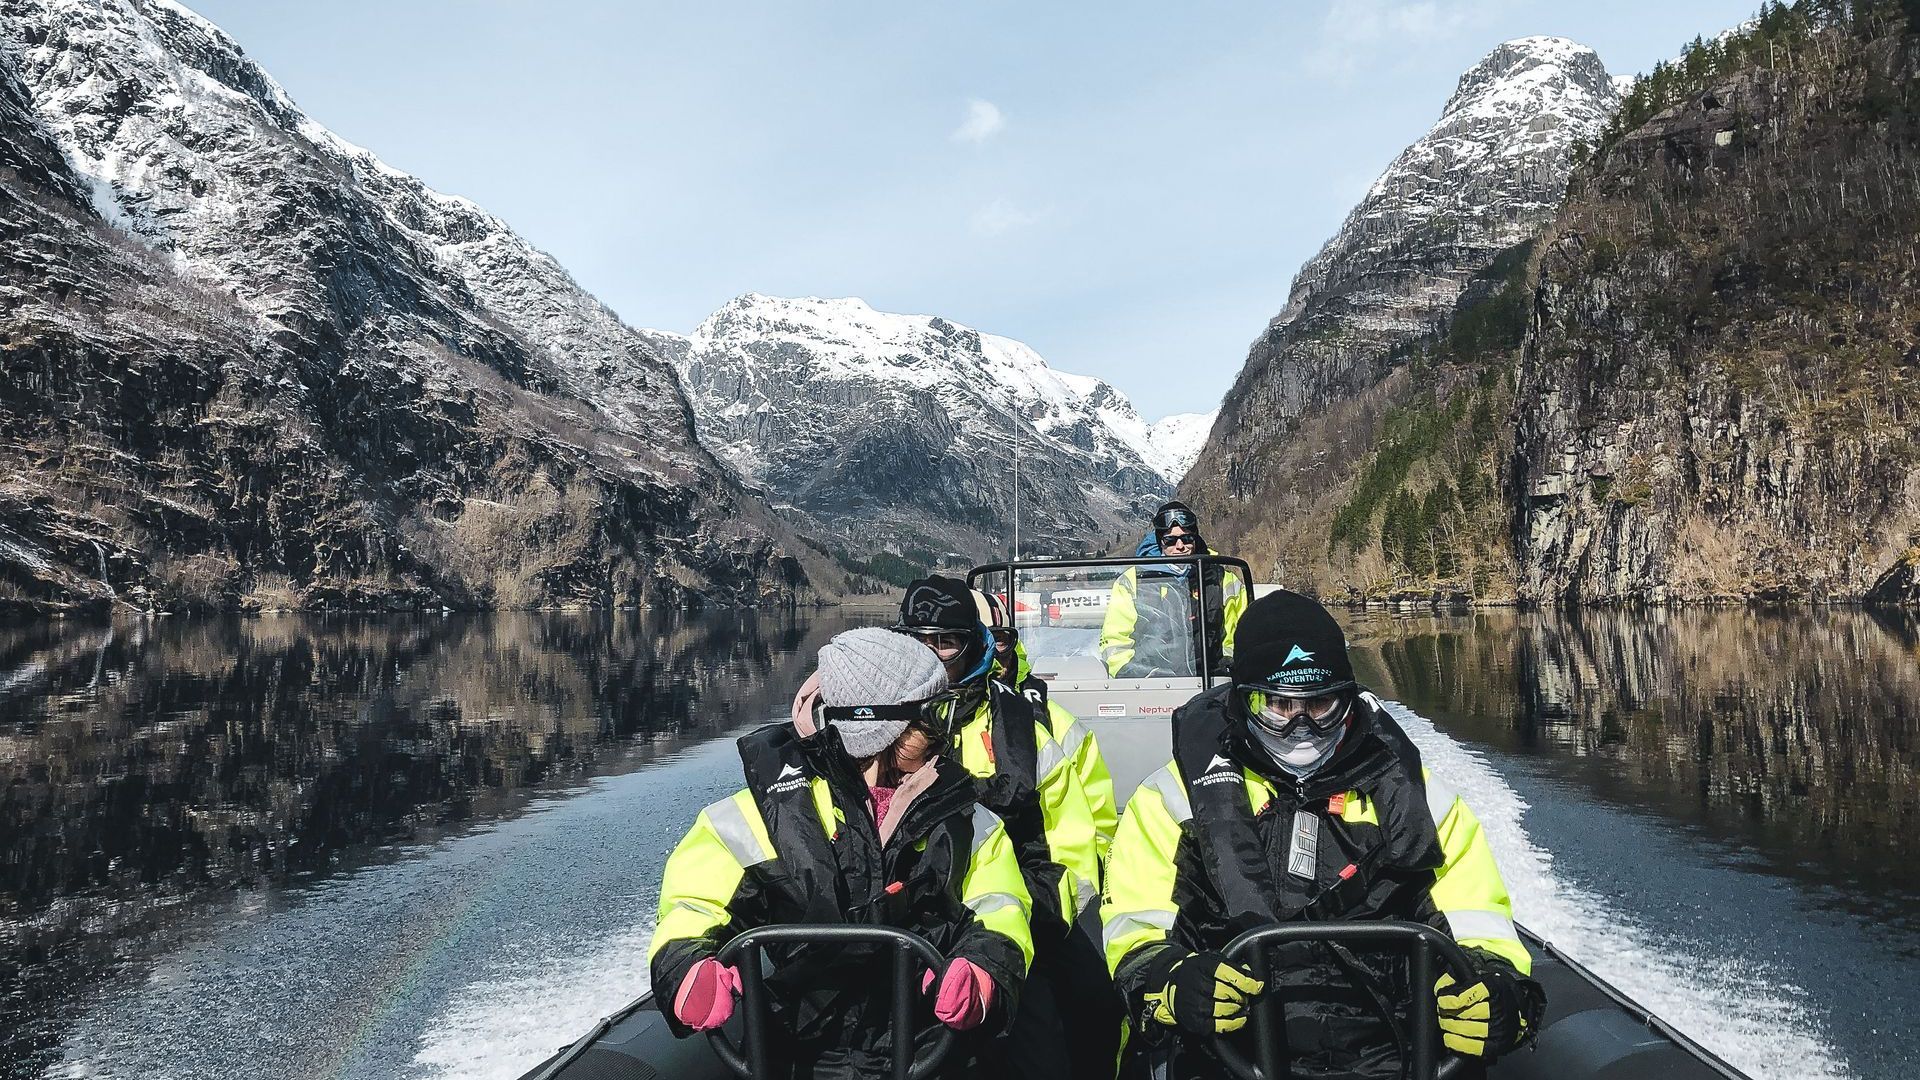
(1743, 1011)
(506, 1027)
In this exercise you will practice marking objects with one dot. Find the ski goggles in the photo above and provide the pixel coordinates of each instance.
(1281, 715)
(934, 715)
(945, 642)
(1004, 637)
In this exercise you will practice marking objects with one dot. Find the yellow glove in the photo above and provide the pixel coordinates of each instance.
(1490, 1015)
(1204, 993)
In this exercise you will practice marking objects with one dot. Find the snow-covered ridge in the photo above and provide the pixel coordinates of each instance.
(901, 431)
(1179, 437)
(767, 342)
(1489, 170)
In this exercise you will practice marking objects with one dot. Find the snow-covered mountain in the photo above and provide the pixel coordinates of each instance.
(1178, 439)
(862, 417)
(1487, 176)
(456, 420)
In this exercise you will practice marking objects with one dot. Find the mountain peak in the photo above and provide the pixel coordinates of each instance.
(1488, 171)
(1526, 67)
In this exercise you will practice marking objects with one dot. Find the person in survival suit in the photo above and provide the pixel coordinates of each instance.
(1024, 775)
(1011, 666)
(1153, 618)
(1293, 796)
(1091, 1012)
(853, 813)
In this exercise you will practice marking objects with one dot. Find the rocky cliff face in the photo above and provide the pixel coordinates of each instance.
(247, 363)
(1721, 391)
(1322, 382)
(896, 432)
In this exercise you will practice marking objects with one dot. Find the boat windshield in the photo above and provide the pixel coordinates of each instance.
(1121, 640)
(1087, 621)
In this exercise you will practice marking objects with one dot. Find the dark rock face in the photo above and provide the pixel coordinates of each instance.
(248, 364)
(1720, 394)
(896, 432)
(1308, 406)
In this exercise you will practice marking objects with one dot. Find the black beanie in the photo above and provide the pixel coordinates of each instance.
(1290, 643)
(941, 603)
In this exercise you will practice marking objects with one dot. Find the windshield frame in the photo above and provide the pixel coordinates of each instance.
(1198, 562)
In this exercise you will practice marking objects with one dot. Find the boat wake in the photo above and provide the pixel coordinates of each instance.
(503, 1029)
(1752, 1015)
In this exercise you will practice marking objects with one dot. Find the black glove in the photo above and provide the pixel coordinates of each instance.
(1500, 1011)
(1203, 992)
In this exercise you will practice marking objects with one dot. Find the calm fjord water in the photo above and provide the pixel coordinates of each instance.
(428, 847)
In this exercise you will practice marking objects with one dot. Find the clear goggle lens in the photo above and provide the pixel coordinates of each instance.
(1280, 715)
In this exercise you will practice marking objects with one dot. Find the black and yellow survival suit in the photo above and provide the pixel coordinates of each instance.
(1069, 1024)
(1202, 853)
(1081, 748)
(1070, 967)
(800, 845)
(1022, 774)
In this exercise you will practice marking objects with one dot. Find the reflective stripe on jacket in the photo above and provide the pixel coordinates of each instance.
(948, 872)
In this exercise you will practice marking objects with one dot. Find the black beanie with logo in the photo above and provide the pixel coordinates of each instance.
(1291, 644)
(939, 603)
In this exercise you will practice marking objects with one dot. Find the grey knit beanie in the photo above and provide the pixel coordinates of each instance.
(872, 666)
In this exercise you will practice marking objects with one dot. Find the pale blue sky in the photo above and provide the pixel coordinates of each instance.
(1132, 199)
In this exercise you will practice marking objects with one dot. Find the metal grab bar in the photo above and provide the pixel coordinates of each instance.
(745, 951)
(1423, 945)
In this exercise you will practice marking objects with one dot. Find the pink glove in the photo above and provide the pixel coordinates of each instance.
(705, 1000)
(966, 993)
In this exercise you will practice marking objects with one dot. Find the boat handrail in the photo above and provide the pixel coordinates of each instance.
(910, 951)
(578, 1048)
(1424, 946)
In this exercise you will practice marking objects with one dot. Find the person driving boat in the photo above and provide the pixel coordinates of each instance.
(1155, 614)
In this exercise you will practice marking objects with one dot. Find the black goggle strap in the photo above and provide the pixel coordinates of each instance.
(836, 713)
(923, 634)
(934, 713)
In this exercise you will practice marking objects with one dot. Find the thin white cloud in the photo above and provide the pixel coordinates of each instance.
(1000, 216)
(984, 121)
(1357, 32)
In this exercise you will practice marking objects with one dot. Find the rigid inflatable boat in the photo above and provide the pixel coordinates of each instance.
(1591, 1030)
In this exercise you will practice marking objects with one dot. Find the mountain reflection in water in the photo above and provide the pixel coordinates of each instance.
(150, 767)
(1794, 736)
